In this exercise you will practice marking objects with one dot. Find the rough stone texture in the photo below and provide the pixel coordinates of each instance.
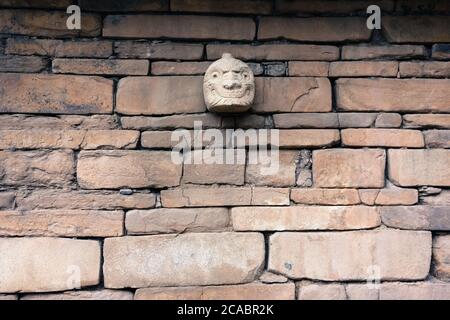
(85, 200)
(321, 292)
(262, 196)
(306, 120)
(274, 51)
(134, 169)
(425, 69)
(231, 6)
(362, 52)
(22, 64)
(426, 29)
(356, 291)
(441, 257)
(179, 68)
(304, 218)
(46, 23)
(356, 120)
(185, 121)
(182, 260)
(314, 196)
(7, 200)
(158, 50)
(437, 138)
(388, 120)
(344, 256)
(160, 95)
(101, 66)
(393, 95)
(325, 6)
(419, 167)
(269, 277)
(363, 69)
(389, 196)
(176, 220)
(435, 218)
(308, 138)
(65, 223)
(440, 121)
(293, 94)
(347, 168)
(102, 294)
(415, 291)
(308, 69)
(48, 264)
(124, 6)
(442, 198)
(35, 93)
(441, 52)
(204, 196)
(180, 27)
(394, 138)
(332, 29)
(251, 291)
(28, 122)
(36, 168)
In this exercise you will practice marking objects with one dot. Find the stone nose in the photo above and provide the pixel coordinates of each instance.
(231, 84)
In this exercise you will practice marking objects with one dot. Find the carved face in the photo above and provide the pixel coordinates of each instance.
(229, 85)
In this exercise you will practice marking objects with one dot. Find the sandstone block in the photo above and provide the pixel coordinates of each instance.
(315, 196)
(262, 196)
(426, 29)
(184, 121)
(441, 52)
(394, 138)
(388, 120)
(22, 64)
(308, 69)
(204, 196)
(363, 69)
(179, 68)
(313, 291)
(362, 52)
(442, 198)
(437, 138)
(101, 66)
(102, 294)
(441, 257)
(7, 200)
(415, 291)
(417, 217)
(308, 138)
(425, 69)
(158, 50)
(231, 6)
(440, 121)
(306, 120)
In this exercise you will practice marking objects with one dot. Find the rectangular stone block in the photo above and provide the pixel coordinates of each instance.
(40, 93)
(393, 138)
(206, 197)
(101, 66)
(262, 196)
(7, 200)
(308, 138)
(441, 257)
(435, 218)
(132, 169)
(62, 223)
(343, 256)
(251, 291)
(440, 121)
(363, 69)
(322, 29)
(419, 167)
(230, 6)
(182, 260)
(36, 168)
(45, 264)
(393, 95)
(124, 6)
(306, 120)
(22, 64)
(308, 68)
(428, 69)
(160, 95)
(417, 29)
(292, 94)
(179, 27)
(441, 52)
(179, 68)
(29, 122)
(314, 196)
(399, 52)
(326, 6)
(415, 291)
(184, 121)
(100, 294)
(349, 168)
(158, 50)
(437, 138)
(304, 218)
(177, 220)
(440, 199)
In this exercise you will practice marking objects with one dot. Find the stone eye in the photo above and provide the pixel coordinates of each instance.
(245, 75)
(215, 75)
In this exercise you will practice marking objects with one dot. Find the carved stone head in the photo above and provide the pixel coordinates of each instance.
(229, 85)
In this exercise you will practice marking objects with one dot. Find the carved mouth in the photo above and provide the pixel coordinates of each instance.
(231, 93)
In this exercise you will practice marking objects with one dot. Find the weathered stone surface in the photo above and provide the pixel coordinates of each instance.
(7, 200)
(363, 69)
(62, 4)
(210, 172)
(34, 93)
(101, 294)
(25, 121)
(442, 198)
(101, 66)
(362, 52)
(250, 121)
(66, 223)
(292, 94)
(440, 121)
(393, 95)
(389, 196)
(281, 169)
(429, 69)
(356, 291)
(415, 291)
(231, 6)
(308, 138)
(325, 6)
(274, 51)
(437, 138)
(441, 257)
(422, 6)
(306, 120)
(419, 167)
(269, 277)
(304, 218)
(179, 27)
(86, 200)
(110, 139)
(388, 120)
(427, 29)
(54, 269)
(308, 69)
(22, 64)
(124, 6)
(262, 196)
(183, 260)
(46, 23)
(8, 297)
(185, 121)
(169, 140)
(314, 196)
(344, 256)
(417, 217)
(251, 291)
(160, 95)
(332, 29)
(177, 220)
(133, 169)
(275, 69)
(356, 120)
(179, 68)
(204, 197)
(394, 138)
(158, 50)
(349, 168)
(318, 291)
(441, 52)
(38, 168)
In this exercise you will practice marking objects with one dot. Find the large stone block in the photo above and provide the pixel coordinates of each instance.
(394, 138)
(435, 218)
(417, 29)
(441, 256)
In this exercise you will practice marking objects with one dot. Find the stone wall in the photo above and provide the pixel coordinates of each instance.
(91, 200)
